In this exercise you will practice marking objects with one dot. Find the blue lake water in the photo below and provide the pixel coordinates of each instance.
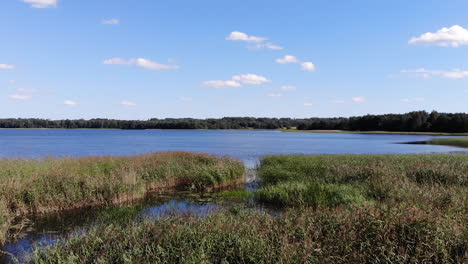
(244, 144)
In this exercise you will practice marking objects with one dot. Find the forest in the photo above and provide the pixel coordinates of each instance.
(419, 121)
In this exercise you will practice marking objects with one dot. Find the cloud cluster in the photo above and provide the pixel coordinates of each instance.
(237, 81)
(141, 62)
(289, 59)
(424, 73)
(112, 21)
(260, 42)
(6, 67)
(41, 3)
(454, 36)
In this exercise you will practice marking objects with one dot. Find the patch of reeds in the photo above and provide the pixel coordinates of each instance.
(366, 234)
(47, 185)
(427, 180)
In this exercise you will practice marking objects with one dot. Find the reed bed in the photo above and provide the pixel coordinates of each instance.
(368, 234)
(336, 209)
(432, 181)
(49, 185)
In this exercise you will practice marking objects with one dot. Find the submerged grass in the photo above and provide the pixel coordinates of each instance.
(41, 186)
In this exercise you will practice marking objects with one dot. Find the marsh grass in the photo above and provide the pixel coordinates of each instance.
(337, 209)
(48, 185)
(367, 234)
(309, 194)
(427, 180)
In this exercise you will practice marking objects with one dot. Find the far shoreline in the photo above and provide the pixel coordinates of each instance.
(280, 130)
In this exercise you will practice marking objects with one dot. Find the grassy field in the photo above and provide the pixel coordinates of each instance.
(42, 186)
(457, 142)
(337, 209)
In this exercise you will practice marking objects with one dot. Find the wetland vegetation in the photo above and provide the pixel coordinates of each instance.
(31, 187)
(330, 209)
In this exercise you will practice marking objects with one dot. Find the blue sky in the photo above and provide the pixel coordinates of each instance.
(130, 59)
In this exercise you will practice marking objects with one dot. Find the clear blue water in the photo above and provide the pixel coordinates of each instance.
(244, 144)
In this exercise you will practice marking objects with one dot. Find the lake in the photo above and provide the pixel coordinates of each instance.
(247, 145)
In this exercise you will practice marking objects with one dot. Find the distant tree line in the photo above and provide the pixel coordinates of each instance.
(420, 121)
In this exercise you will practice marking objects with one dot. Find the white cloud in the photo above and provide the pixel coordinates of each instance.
(112, 21)
(141, 62)
(288, 88)
(454, 36)
(411, 100)
(70, 103)
(308, 66)
(151, 65)
(6, 67)
(20, 96)
(237, 81)
(221, 84)
(287, 59)
(359, 99)
(236, 35)
(41, 3)
(275, 95)
(267, 46)
(308, 104)
(250, 79)
(453, 74)
(185, 99)
(260, 41)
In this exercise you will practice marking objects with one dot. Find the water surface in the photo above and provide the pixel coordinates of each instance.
(247, 145)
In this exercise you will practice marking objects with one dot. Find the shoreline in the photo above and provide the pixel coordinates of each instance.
(279, 130)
